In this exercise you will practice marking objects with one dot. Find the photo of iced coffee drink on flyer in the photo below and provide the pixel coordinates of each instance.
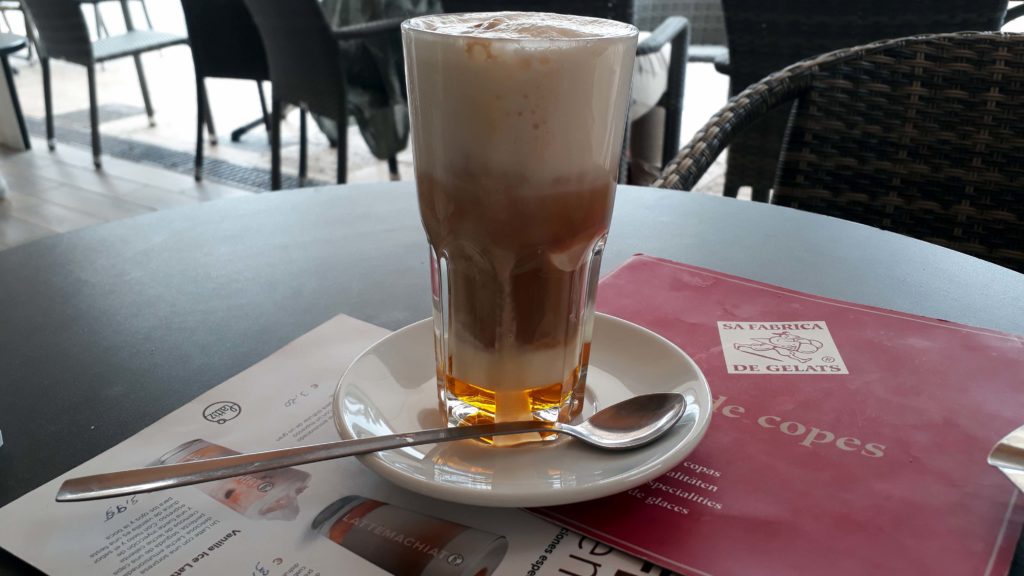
(518, 125)
(271, 495)
(406, 543)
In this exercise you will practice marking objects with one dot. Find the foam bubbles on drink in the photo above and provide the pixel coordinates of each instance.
(521, 26)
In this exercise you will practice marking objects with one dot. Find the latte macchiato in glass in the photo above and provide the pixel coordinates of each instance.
(517, 123)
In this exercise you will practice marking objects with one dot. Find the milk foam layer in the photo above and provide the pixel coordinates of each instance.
(521, 26)
(537, 108)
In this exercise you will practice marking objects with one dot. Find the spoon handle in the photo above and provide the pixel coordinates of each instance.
(155, 478)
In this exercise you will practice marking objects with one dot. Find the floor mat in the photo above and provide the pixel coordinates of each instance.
(108, 113)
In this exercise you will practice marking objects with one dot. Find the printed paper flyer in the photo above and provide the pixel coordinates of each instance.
(332, 517)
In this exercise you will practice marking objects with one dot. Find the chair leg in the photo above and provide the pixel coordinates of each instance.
(264, 120)
(393, 168)
(731, 189)
(7, 24)
(94, 118)
(342, 145)
(205, 103)
(673, 103)
(302, 146)
(275, 144)
(201, 113)
(51, 142)
(145, 89)
(263, 106)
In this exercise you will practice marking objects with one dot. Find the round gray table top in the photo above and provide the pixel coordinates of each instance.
(107, 329)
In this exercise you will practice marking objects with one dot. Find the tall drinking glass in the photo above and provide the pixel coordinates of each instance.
(517, 123)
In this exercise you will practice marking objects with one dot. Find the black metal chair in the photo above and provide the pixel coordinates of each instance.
(920, 136)
(674, 30)
(64, 35)
(307, 68)
(225, 44)
(768, 36)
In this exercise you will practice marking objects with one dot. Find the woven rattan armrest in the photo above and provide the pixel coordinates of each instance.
(683, 172)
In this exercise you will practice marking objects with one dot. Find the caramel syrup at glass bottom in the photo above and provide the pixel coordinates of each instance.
(543, 398)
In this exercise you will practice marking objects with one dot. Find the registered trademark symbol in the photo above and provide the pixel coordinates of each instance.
(828, 359)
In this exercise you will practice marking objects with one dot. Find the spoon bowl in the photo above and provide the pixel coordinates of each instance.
(632, 423)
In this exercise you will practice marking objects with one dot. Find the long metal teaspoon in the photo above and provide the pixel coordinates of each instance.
(628, 424)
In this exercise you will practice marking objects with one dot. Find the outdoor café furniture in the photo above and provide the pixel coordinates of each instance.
(64, 35)
(225, 44)
(768, 36)
(307, 68)
(919, 136)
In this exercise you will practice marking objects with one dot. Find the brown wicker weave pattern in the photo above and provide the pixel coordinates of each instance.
(923, 136)
(683, 172)
(766, 36)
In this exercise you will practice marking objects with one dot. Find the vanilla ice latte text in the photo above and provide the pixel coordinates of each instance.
(517, 123)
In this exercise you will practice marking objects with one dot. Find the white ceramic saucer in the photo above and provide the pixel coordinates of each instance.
(391, 388)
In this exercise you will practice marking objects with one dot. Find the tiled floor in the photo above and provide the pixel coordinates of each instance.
(50, 193)
(59, 191)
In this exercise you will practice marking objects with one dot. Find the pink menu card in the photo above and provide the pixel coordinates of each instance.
(845, 439)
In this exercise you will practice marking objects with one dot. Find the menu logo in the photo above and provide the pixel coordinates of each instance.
(221, 412)
(804, 347)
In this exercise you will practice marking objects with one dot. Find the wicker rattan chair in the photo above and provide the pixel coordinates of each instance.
(63, 35)
(307, 68)
(920, 136)
(225, 44)
(768, 36)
